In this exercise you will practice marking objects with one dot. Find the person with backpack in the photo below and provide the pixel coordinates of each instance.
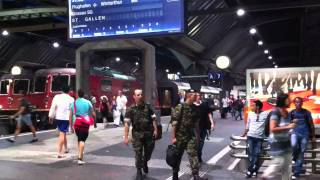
(300, 135)
(24, 117)
(144, 131)
(255, 134)
(279, 138)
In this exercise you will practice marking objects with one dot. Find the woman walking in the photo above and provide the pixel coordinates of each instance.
(81, 109)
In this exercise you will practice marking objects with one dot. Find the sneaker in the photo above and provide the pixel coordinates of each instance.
(11, 140)
(81, 162)
(294, 177)
(248, 174)
(33, 140)
(254, 174)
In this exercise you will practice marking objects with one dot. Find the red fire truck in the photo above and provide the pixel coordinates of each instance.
(43, 84)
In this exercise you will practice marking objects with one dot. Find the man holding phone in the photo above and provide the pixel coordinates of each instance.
(144, 131)
(300, 134)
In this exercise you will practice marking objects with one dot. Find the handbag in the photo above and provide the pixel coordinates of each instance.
(82, 120)
(172, 155)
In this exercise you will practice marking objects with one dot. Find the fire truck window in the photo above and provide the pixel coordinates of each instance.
(106, 85)
(4, 87)
(58, 82)
(73, 83)
(20, 85)
(40, 84)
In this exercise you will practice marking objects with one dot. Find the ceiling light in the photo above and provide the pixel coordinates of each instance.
(5, 33)
(276, 66)
(223, 62)
(118, 59)
(270, 57)
(274, 63)
(266, 51)
(16, 70)
(55, 44)
(137, 64)
(178, 73)
(241, 12)
(167, 70)
(253, 31)
(260, 43)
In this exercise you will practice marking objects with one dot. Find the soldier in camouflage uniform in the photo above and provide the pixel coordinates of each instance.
(144, 131)
(185, 134)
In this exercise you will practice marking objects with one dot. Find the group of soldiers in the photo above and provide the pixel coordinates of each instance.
(185, 133)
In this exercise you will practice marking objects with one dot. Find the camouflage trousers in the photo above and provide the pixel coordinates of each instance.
(191, 147)
(143, 145)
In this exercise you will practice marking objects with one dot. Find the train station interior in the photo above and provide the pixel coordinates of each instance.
(225, 50)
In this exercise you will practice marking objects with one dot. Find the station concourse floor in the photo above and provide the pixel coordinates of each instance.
(108, 158)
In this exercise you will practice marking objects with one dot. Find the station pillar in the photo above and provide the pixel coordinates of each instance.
(149, 67)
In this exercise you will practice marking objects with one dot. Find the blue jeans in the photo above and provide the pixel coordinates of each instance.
(299, 145)
(254, 149)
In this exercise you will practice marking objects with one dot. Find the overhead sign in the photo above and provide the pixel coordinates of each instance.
(89, 19)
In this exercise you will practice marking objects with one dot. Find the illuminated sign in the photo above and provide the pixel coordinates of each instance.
(90, 19)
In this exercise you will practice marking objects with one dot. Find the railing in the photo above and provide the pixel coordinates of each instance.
(237, 146)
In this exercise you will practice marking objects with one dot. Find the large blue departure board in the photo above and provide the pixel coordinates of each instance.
(90, 19)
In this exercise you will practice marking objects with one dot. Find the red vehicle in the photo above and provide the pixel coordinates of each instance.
(42, 85)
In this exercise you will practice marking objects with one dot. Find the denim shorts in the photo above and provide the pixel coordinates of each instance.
(26, 119)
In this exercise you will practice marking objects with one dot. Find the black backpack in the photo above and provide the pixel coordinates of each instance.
(172, 155)
(267, 124)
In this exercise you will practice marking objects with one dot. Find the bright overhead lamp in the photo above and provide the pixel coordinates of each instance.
(16, 70)
(276, 66)
(55, 44)
(5, 33)
(260, 43)
(178, 73)
(167, 70)
(270, 57)
(266, 51)
(118, 59)
(241, 12)
(253, 31)
(223, 62)
(137, 63)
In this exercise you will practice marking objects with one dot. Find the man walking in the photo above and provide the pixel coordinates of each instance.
(121, 105)
(185, 134)
(59, 111)
(24, 116)
(300, 135)
(255, 133)
(144, 131)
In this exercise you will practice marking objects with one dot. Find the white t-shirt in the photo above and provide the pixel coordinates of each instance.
(256, 124)
(224, 102)
(60, 107)
(121, 102)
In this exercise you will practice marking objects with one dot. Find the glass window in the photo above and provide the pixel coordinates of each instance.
(106, 85)
(58, 82)
(4, 87)
(20, 85)
(126, 88)
(73, 83)
(40, 84)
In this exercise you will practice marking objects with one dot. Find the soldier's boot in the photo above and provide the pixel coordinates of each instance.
(175, 176)
(197, 177)
(145, 167)
(139, 174)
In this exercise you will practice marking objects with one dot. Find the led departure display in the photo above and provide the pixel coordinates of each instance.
(113, 18)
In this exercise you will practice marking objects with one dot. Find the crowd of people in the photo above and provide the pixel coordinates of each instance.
(288, 135)
(234, 106)
(192, 121)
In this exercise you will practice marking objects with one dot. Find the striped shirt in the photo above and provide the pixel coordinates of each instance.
(256, 124)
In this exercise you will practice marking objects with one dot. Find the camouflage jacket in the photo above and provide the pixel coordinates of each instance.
(141, 117)
(184, 117)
